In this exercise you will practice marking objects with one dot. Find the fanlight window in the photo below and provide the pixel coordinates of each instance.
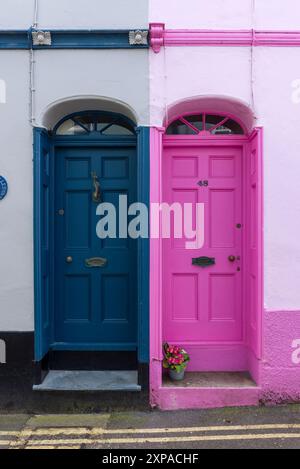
(212, 124)
(96, 122)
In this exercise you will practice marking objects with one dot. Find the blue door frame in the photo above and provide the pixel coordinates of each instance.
(44, 150)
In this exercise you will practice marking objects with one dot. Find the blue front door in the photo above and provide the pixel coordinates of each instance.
(95, 305)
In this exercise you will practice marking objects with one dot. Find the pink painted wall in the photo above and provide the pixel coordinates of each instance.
(280, 369)
(179, 73)
(266, 80)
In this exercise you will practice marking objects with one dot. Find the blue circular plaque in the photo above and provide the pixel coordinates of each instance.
(3, 187)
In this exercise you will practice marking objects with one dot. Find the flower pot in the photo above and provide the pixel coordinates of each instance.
(175, 376)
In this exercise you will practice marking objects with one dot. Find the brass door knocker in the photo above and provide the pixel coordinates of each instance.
(96, 195)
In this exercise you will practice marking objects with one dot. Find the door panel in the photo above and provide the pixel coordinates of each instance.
(94, 305)
(42, 215)
(255, 243)
(204, 305)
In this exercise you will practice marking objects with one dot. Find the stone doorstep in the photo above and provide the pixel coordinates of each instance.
(87, 381)
(212, 380)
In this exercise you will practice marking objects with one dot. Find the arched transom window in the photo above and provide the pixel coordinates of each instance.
(205, 124)
(97, 122)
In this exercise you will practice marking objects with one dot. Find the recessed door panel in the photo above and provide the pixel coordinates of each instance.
(183, 167)
(115, 308)
(222, 297)
(77, 298)
(115, 168)
(77, 218)
(111, 196)
(185, 307)
(181, 231)
(221, 216)
(77, 168)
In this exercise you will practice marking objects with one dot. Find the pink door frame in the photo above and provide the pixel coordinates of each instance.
(157, 141)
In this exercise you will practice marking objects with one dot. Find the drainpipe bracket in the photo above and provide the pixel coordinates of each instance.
(41, 38)
(138, 38)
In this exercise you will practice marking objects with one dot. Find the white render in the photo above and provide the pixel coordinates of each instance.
(74, 14)
(65, 81)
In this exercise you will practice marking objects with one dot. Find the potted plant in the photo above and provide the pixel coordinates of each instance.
(175, 360)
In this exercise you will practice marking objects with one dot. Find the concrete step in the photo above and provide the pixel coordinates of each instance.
(209, 390)
(212, 380)
(57, 380)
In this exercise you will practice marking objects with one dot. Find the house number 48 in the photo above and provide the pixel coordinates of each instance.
(203, 183)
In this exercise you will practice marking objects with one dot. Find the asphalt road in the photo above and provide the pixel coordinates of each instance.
(248, 428)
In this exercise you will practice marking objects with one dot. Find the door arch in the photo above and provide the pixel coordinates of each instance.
(206, 124)
(201, 144)
(64, 160)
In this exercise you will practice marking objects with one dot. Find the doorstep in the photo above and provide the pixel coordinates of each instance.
(89, 381)
(212, 380)
(207, 390)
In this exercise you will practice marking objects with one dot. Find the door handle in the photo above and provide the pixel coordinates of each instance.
(96, 195)
(232, 258)
(69, 260)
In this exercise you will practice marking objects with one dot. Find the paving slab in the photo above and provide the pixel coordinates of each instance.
(68, 420)
(10, 427)
(13, 421)
(235, 428)
(189, 418)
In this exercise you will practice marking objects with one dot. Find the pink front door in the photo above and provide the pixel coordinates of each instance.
(204, 305)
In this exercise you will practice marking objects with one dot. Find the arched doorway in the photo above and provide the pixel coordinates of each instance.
(209, 297)
(88, 282)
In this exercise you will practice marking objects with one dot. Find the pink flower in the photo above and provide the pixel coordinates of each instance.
(175, 355)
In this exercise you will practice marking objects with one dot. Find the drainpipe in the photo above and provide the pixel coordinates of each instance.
(253, 21)
(32, 67)
(36, 11)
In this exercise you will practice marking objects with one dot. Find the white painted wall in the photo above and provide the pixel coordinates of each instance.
(16, 14)
(277, 15)
(121, 75)
(117, 74)
(182, 72)
(93, 14)
(275, 70)
(73, 14)
(202, 14)
(16, 211)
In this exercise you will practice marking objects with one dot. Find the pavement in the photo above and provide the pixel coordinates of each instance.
(233, 428)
